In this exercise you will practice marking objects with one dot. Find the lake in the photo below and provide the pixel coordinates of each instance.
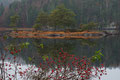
(109, 46)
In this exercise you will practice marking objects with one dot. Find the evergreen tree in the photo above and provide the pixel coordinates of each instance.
(41, 21)
(61, 17)
(89, 26)
(1, 9)
(14, 20)
(102, 12)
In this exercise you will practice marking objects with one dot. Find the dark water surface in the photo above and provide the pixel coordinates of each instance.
(110, 47)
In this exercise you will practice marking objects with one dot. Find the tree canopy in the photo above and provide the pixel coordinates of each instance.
(89, 26)
(14, 20)
(62, 16)
(41, 20)
(1, 9)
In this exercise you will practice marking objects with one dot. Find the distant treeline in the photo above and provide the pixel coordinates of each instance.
(102, 12)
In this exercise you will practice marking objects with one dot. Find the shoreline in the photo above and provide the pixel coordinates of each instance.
(57, 34)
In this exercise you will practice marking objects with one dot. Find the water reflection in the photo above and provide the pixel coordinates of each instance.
(112, 74)
(110, 47)
(80, 47)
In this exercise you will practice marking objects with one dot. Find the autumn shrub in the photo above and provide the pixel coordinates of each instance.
(68, 67)
(63, 66)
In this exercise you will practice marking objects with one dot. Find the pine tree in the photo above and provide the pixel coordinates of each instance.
(61, 17)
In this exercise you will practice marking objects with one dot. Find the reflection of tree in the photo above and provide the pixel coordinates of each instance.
(81, 47)
(110, 48)
(50, 47)
(88, 42)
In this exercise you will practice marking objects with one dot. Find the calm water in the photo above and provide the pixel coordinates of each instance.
(110, 47)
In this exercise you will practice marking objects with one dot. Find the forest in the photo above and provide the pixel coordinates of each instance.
(102, 12)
